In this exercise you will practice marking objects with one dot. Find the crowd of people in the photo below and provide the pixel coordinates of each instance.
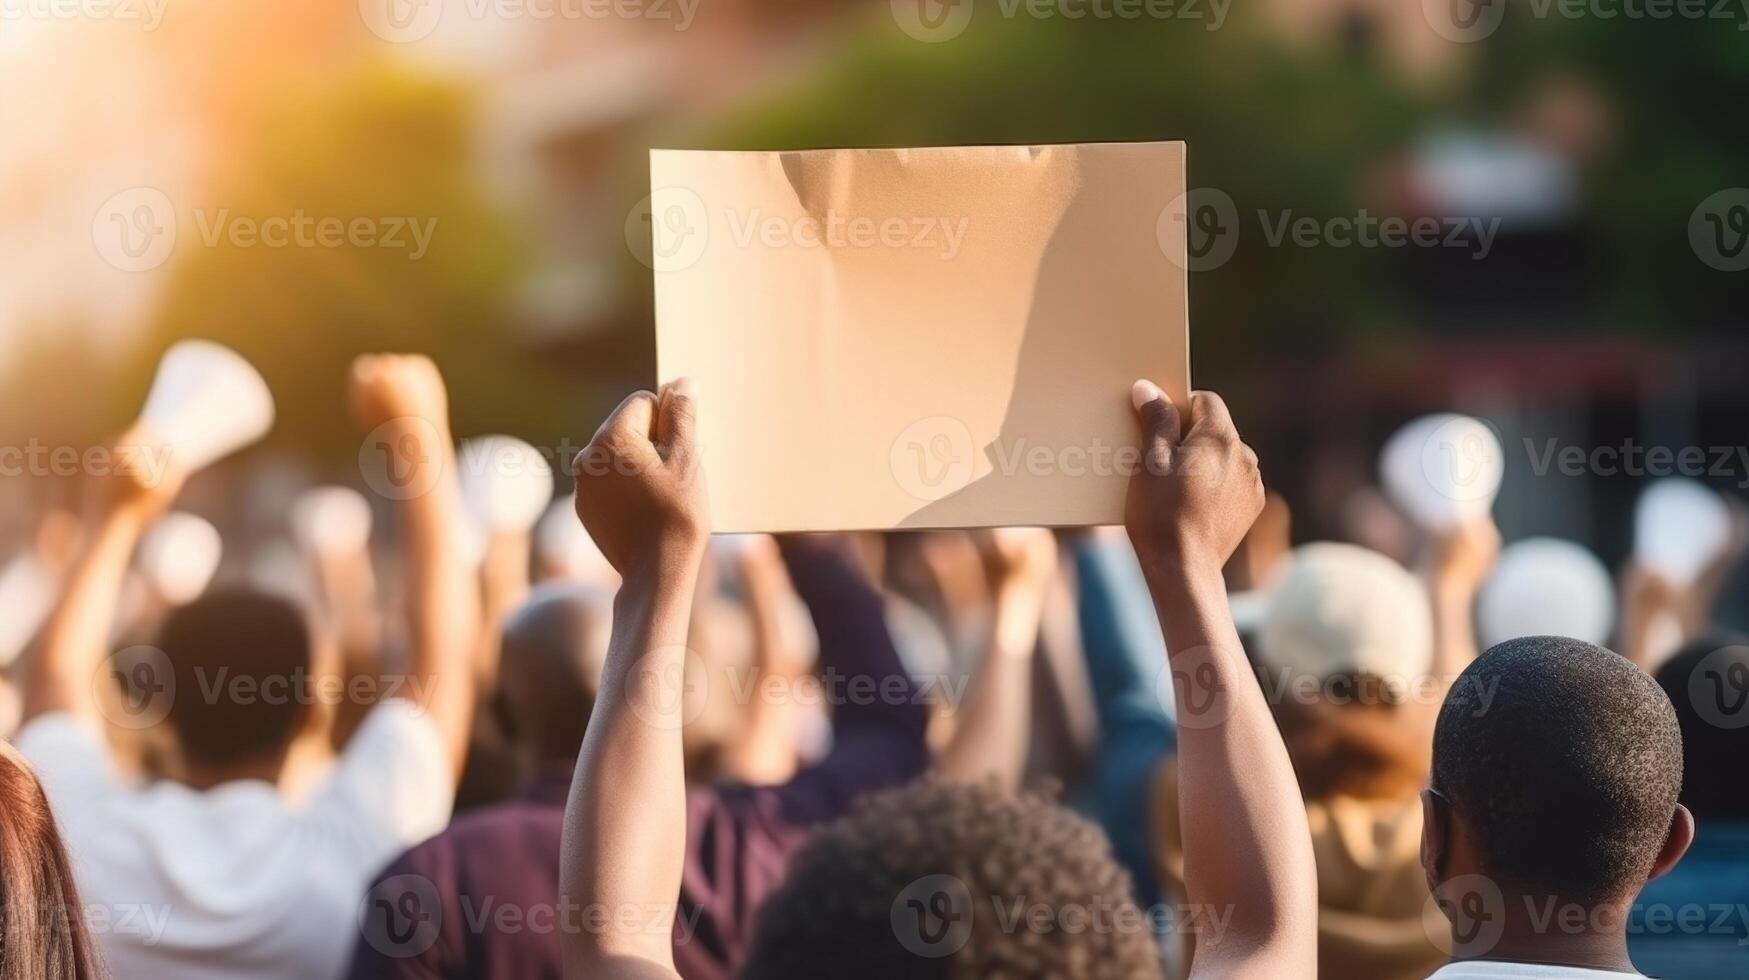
(1190, 749)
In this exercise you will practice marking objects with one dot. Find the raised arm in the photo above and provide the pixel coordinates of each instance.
(878, 712)
(504, 585)
(642, 497)
(1458, 562)
(995, 723)
(401, 401)
(1658, 616)
(1246, 843)
(346, 601)
(766, 752)
(75, 639)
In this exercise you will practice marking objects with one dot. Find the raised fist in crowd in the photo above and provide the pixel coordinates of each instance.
(640, 489)
(386, 387)
(1198, 493)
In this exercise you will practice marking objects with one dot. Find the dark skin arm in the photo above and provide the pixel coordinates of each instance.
(640, 494)
(1247, 846)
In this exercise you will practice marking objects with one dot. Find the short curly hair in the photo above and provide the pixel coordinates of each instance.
(948, 880)
(1565, 760)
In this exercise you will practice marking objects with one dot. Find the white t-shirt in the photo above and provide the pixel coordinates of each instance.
(1499, 970)
(236, 881)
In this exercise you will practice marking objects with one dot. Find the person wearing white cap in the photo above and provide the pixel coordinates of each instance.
(1346, 612)
(1345, 641)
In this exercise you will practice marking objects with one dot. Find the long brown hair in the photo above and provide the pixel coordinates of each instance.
(43, 934)
(1370, 745)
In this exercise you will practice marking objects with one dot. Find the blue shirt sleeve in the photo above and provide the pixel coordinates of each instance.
(1132, 690)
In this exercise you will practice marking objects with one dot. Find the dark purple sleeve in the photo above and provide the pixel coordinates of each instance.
(878, 718)
(739, 838)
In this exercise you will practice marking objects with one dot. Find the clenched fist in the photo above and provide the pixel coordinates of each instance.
(640, 490)
(1196, 495)
(386, 387)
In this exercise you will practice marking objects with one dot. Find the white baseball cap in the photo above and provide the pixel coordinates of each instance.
(1344, 610)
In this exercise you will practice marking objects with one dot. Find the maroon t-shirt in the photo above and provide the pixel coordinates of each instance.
(481, 898)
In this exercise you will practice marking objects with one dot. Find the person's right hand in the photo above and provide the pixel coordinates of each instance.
(1194, 497)
(146, 480)
(640, 491)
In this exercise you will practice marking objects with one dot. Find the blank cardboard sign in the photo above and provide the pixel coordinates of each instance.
(908, 338)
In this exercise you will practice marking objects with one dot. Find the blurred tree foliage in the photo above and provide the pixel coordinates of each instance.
(38, 402)
(1673, 89)
(378, 143)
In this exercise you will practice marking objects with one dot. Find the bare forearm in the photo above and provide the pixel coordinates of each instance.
(766, 754)
(76, 637)
(1631, 638)
(992, 736)
(504, 588)
(350, 598)
(1454, 631)
(1246, 843)
(625, 823)
(443, 601)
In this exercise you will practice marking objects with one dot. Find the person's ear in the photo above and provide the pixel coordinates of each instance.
(1676, 843)
(1435, 836)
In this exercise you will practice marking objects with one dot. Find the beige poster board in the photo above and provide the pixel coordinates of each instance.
(908, 338)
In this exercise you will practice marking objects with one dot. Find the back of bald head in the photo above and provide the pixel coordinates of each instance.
(550, 668)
